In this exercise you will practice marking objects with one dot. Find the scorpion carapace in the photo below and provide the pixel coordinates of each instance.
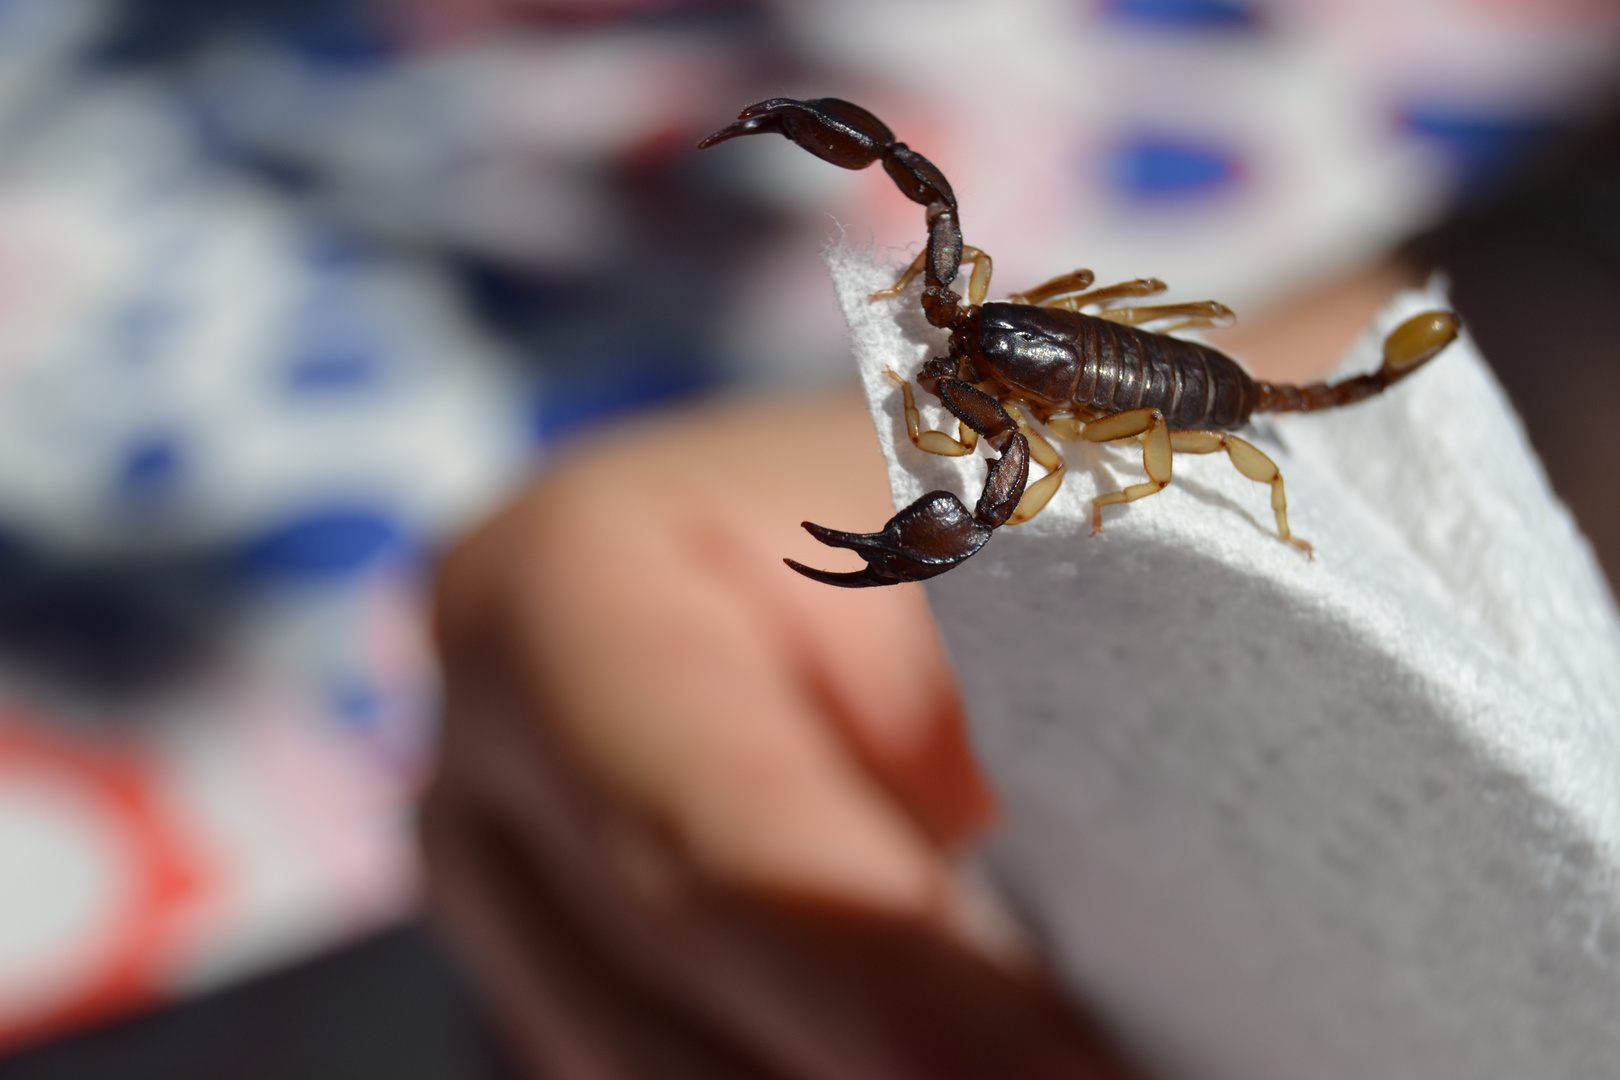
(1096, 377)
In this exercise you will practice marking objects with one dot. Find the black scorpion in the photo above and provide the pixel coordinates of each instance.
(1096, 378)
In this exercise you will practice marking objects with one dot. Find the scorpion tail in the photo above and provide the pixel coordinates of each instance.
(850, 137)
(1408, 347)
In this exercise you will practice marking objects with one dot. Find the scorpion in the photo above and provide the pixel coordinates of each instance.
(1094, 378)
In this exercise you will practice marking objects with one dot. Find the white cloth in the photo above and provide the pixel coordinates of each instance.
(1277, 818)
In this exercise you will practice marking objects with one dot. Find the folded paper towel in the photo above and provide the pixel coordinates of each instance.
(1352, 817)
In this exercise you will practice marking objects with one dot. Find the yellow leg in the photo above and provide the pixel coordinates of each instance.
(1201, 313)
(978, 284)
(899, 287)
(1066, 426)
(933, 442)
(1109, 293)
(1038, 494)
(1035, 496)
(1250, 462)
(1062, 285)
(1155, 433)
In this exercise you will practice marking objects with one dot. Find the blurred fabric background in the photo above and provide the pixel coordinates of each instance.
(291, 292)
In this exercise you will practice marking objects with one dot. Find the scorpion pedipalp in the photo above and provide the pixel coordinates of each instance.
(936, 532)
(830, 128)
(847, 135)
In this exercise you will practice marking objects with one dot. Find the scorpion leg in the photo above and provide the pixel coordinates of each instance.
(1066, 425)
(1150, 424)
(1200, 313)
(1109, 293)
(978, 284)
(933, 442)
(1038, 494)
(936, 532)
(1250, 462)
(899, 286)
(1062, 285)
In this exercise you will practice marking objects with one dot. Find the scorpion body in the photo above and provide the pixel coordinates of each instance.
(1056, 360)
(1090, 377)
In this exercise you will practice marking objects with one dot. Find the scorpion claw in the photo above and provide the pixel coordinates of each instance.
(833, 130)
(927, 538)
(750, 126)
(854, 579)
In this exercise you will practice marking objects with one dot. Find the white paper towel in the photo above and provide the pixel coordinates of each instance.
(1345, 818)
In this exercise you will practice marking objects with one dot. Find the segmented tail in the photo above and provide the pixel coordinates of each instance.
(1408, 348)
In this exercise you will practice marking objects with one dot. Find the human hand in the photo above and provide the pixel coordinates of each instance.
(697, 815)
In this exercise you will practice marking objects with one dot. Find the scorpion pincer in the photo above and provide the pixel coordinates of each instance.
(1095, 377)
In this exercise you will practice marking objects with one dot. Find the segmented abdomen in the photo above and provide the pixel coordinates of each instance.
(1126, 368)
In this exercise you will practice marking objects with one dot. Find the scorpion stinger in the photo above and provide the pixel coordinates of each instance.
(1090, 377)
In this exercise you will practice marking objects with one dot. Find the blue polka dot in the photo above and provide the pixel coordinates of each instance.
(151, 467)
(1153, 167)
(335, 542)
(335, 346)
(339, 36)
(1182, 14)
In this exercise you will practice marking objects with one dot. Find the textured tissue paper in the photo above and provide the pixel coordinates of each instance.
(1277, 818)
